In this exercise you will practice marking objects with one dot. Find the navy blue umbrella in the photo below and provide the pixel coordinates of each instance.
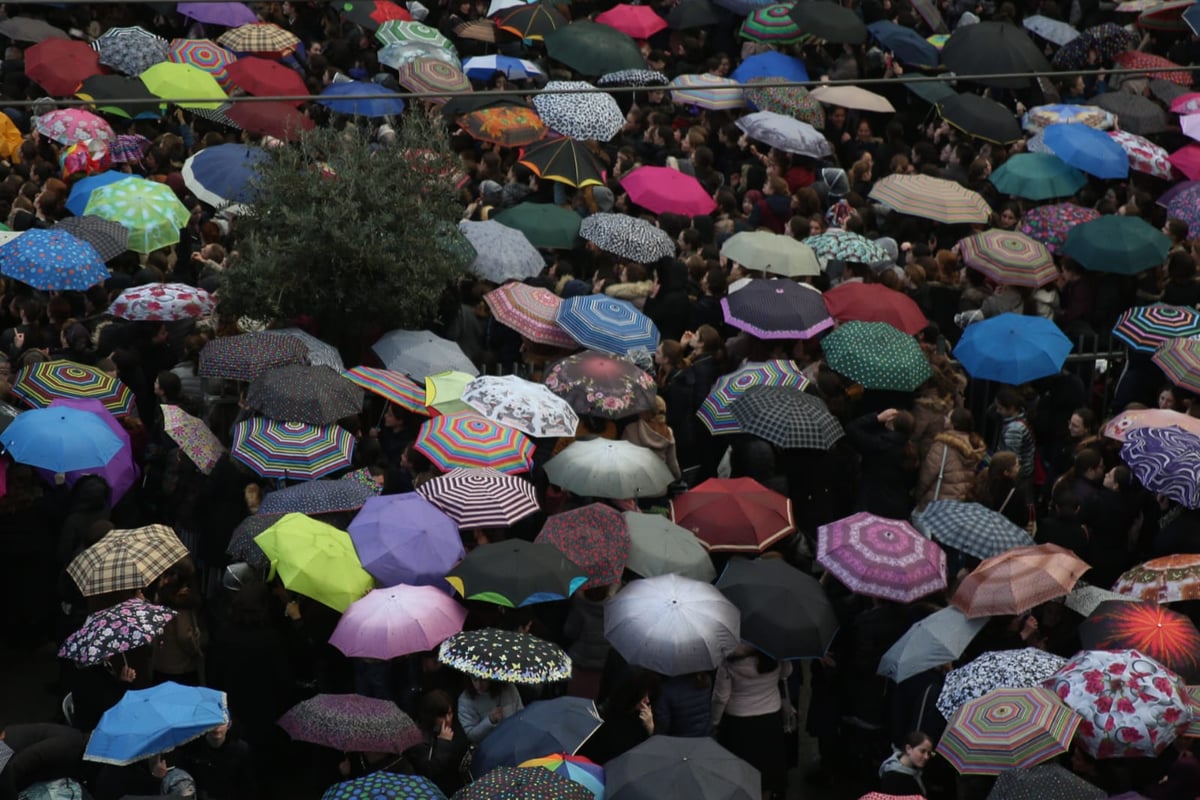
(560, 725)
(225, 174)
(357, 97)
(908, 46)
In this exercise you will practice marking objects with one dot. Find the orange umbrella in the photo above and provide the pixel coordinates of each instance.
(1016, 581)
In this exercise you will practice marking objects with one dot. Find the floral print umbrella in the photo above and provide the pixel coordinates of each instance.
(517, 403)
(162, 302)
(352, 722)
(1169, 579)
(195, 439)
(595, 537)
(52, 260)
(132, 623)
(1144, 155)
(506, 656)
(791, 100)
(880, 557)
(385, 786)
(70, 125)
(1050, 224)
(527, 784)
(151, 211)
(602, 385)
(996, 669)
(131, 50)
(1131, 705)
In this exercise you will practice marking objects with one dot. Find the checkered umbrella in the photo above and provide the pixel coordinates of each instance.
(1008, 729)
(259, 37)
(291, 450)
(110, 239)
(879, 557)
(777, 309)
(876, 355)
(716, 412)
(786, 418)
(481, 498)
(131, 50)
(627, 237)
(246, 356)
(970, 527)
(1168, 579)
(996, 669)
(298, 393)
(470, 440)
(931, 198)
(392, 386)
(1019, 579)
(607, 324)
(530, 311)
(126, 560)
(162, 302)
(40, 384)
(1009, 258)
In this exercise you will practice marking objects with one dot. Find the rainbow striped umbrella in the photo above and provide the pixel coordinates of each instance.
(469, 440)
(41, 384)
(716, 411)
(390, 385)
(773, 24)
(1145, 328)
(205, 55)
(931, 198)
(1009, 258)
(292, 450)
(707, 91)
(1179, 359)
(1008, 729)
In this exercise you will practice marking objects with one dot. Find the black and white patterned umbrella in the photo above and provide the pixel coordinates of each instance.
(633, 77)
(581, 114)
(502, 253)
(132, 50)
(786, 418)
(1042, 781)
(996, 669)
(300, 393)
(627, 237)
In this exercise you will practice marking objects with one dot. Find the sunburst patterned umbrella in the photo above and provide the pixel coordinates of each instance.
(1009, 258)
(470, 440)
(150, 211)
(1167, 636)
(291, 450)
(40, 384)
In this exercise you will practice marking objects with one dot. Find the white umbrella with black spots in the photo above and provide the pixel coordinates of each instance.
(627, 237)
(579, 114)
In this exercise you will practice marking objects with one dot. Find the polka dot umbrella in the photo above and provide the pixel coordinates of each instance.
(385, 786)
(529, 784)
(506, 656)
(300, 393)
(246, 356)
(877, 355)
(52, 260)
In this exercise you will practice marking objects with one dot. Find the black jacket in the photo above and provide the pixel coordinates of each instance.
(887, 477)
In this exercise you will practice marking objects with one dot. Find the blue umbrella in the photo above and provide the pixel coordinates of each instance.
(81, 192)
(771, 64)
(52, 259)
(560, 725)
(1083, 147)
(482, 68)
(603, 323)
(60, 439)
(150, 721)
(1012, 349)
(908, 46)
(350, 98)
(1037, 176)
(224, 174)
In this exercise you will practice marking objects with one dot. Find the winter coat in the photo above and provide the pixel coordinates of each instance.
(1017, 437)
(635, 292)
(929, 419)
(740, 690)
(441, 760)
(669, 309)
(474, 712)
(640, 433)
(954, 457)
(885, 481)
(683, 707)
(773, 211)
(585, 628)
(897, 779)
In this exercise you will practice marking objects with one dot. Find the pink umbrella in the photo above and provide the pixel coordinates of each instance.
(121, 472)
(1187, 160)
(70, 125)
(393, 622)
(664, 190)
(530, 312)
(879, 557)
(640, 22)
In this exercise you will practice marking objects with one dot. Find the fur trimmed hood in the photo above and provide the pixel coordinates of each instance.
(971, 445)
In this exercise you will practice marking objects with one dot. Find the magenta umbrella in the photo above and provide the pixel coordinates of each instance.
(121, 472)
(880, 557)
(664, 190)
(393, 622)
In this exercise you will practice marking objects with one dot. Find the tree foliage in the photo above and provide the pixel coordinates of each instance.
(356, 238)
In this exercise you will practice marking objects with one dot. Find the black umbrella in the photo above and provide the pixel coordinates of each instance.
(829, 21)
(786, 418)
(300, 393)
(1044, 780)
(591, 48)
(1138, 114)
(28, 29)
(532, 21)
(994, 48)
(693, 14)
(785, 613)
(135, 98)
(110, 239)
(980, 117)
(516, 573)
(677, 766)
(564, 160)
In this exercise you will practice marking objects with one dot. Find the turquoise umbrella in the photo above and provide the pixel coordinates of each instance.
(150, 211)
(1037, 176)
(1119, 244)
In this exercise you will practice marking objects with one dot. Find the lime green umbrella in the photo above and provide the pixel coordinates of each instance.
(543, 224)
(877, 356)
(316, 560)
(443, 392)
(150, 211)
(183, 82)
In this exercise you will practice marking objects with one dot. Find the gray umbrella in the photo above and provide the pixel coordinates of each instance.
(677, 766)
(1135, 113)
(1084, 598)
(970, 527)
(300, 393)
(27, 29)
(628, 237)
(110, 239)
(1167, 91)
(320, 354)
(786, 418)
(786, 134)
(938, 639)
(581, 115)
(502, 253)
(420, 354)
(560, 725)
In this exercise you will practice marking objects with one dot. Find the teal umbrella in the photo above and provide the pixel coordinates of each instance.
(591, 48)
(1118, 244)
(1037, 176)
(544, 224)
(877, 356)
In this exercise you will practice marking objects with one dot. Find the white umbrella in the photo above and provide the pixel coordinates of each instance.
(1084, 598)
(524, 405)
(502, 254)
(614, 469)
(939, 638)
(1052, 30)
(672, 625)
(772, 253)
(420, 354)
(660, 547)
(786, 134)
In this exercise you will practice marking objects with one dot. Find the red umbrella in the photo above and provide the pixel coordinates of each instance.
(1187, 160)
(1167, 636)
(1135, 59)
(270, 119)
(874, 302)
(664, 190)
(60, 65)
(373, 13)
(264, 78)
(640, 22)
(734, 515)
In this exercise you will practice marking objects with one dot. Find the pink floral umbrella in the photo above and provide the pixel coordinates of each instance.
(1144, 155)
(162, 302)
(878, 557)
(70, 125)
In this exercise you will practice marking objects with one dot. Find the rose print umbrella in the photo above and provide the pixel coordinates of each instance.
(162, 302)
(118, 629)
(1169, 579)
(1168, 637)
(506, 656)
(880, 557)
(996, 669)
(40, 384)
(352, 722)
(52, 260)
(602, 385)
(595, 537)
(1008, 729)
(1131, 705)
(1144, 155)
(481, 498)
(517, 403)
(530, 311)
(1016, 581)
(393, 622)
(385, 785)
(470, 440)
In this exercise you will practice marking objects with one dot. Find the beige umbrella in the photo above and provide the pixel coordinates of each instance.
(1016, 581)
(852, 97)
(772, 253)
(126, 560)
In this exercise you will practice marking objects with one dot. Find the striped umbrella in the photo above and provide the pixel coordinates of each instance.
(206, 55)
(291, 450)
(150, 211)
(470, 440)
(607, 324)
(1050, 224)
(794, 101)
(393, 386)
(773, 24)
(716, 411)
(1008, 729)
(432, 75)
(1009, 258)
(530, 311)
(931, 198)
(481, 498)
(707, 91)
(40, 384)
(1145, 328)
(259, 37)
(246, 356)
(398, 32)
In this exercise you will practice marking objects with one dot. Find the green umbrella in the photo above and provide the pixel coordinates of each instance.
(591, 48)
(877, 356)
(1037, 176)
(1120, 244)
(659, 547)
(316, 560)
(543, 224)
(150, 211)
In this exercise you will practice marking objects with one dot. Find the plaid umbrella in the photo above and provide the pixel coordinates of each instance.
(126, 560)
(60, 65)
(298, 393)
(777, 309)
(39, 385)
(392, 386)
(1168, 637)
(505, 656)
(526, 406)
(627, 237)
(315, 498)
(845, 246)
(52, 260)
(773, 25)
(732, 515)
(716, 412)
(114, 630)
(1144, 155)
(507, 125)
(617, 470)
(352, 722)
(433, 75)
(1008, 729)
(246, 356)
(421, 353)
(874, 302)
(151, 211)
(974, 529)
(502, 253)
(1019, 579)
(880, 557)
(131, 50)
(707, 91)
(996, 669)
(393, 622)
(1009, 258)
(291, 450)
(1050, 224)
(937, 639)
(470, 440)
(206, 56)
(564, 160)
(1166, 461)
(259, 37)
(663, 190)
(602, 385)
(516, 573)
(162, 302)
(110, 239)
(595, 537)
(385, 784)
(530, 311)
(541, 784)
(535, 20)
(931, 198)
(1168, 579)
(877, 356)
(784, 612)
(659, 547)
(793, 101)
(786, 418)
(481, 498)
(1178, 359)
(607, 324)
(195, 439)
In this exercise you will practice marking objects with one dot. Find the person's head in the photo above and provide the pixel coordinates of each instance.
(168, 387)
(709, 340)
(864, 132)
(216, 737)
(837, 117)
(1010, 215)
(961, 420)
(1089, 464)
(1004, 464)
(902, 423)
(916, 750)
(1009, 402)
(669, 354)
(478, 686)
(435, 710)
(1176, 230)
(1118, 479)
(1065, 502)
(1082, 423)
(1168, 398)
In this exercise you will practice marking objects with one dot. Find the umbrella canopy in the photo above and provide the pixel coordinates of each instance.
(291, 450)
(771, 64)
(1009, 258)
(124, 97)
(1084, 598)
(604, 468)
(60, 65)
(110, 239)
(994, 48)
(403, 538)
(1166, 461)
(785, 133)
(121, 471)
(602, 385)
(640, 22)
(150, 211)
(595, 537)
(373, 13)
(420, 354)
(829, 21)
(149, 721)
(1019, 579)
(259, 37)
(481, 498)
(970, 527)
(520, 404)
(784, 612)
(692, 14)
(195, 439)
(162, 302)
(316, 560)
(627, 237)
(663, 190)
(52, 260)
(777, 309)
(793, 101)
(1013, 349)
(228, 15)
(516, 573)
(530, 311)
(672, 625)
(931, 198)
(360, 98)
(569, 108)
(60, 440)
(470, 440)
(1184, 207)
(844, 246)
(1168, 637)
(385, 784)
(225, 175)
(1037, 176)
(1088, 150)
(1045, 780)
(716, 411)
(771, 25)
(732, 515)
(544, 224)
(316, 497)
(428, 74)
(131, 50)
(1117, 427)
(938, 639)
(771, 253)
(28, 29)
(786, 418)
(276, 119)
(884, 558)
(1168, 579)
(171, 80)
(299, 393)
(40, 384)
(591, 48)
(246, 356)
(126, 560)
(352, 722)
(658, 547)
(996, 669)
(607, 325)
(320, 354)
(666, 766)
(523, 783)
(564, 160)
(506, 656)
(1050, 224)
(707, 91)
(1138, 114)
(483, 67)
(575, 768)
(561, 725)
(118, 629)
(532, 20)
(874, 302)
(1008, 729)
(904, 43)
(501, 253)
(852, 97)
(981, 118)
(877, 355)
(393, 622)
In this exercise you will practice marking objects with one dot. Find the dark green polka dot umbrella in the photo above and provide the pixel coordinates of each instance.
(877, 356)
(385, 786)
(513, 783)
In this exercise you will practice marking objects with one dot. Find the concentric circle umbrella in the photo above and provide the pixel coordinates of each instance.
(874, 302)
(195, 439)
(970, 527)
(772, 253)
(225, 175)
(1165, 461)
(125, 560)
(1019, 579)
(353, 723)
(502, 253)
(544, 224)
(402, 32)
(384, 784)
(785, 133)
(162, 302)
(481, 498)
(150, 211)
(659, 547)
(259, 37)
(60, 65)
(777, 309)
(877, 356)
(1008, 729)
(110, 239)
(772, 25)
(533, 21)
(937, 639)
(316, 560)
(993, 49)
(707, 91)
(360, 98)
(1087, 149)
(784, 612)
(516, 573)
(291, 450)
(131, 50)
(564, 160)
(830, 22)
(1037, 176)
(734, 515)
(1168, 579)
(846, 246)
(595, 537)
(663, 766)
(793, 101)
(373, 13)
(786, 418)
(980, 118)
(530, 311)
(432, 75)
(715, 412)
(120, 95)
(640, 22)
(201, 54)
(617, 470)
(1050, 224)
(672, 625)
(1118, 244)
(1168, 637)
(118, 629)
(393, 622)
(149, 721)
(1009, 258)
(663, 190)
(884, 558)
(520, 404)
(506, 656)
(1013, 349)
(40, 384)
(316, 497)
(523, 783)
(607, 324)
(627, 237)
(936, 199)
(591, 48)
(996, 669)
(602, 385)
(470, 440)
(52, 260)
(299, 393)
(247, 355)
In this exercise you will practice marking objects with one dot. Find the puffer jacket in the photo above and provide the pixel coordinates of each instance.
(963, 453)
(684, 707)
(635, 292)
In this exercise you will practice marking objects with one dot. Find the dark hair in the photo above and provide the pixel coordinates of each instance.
(1086, 459)
(962, 420)
(1181, 267)
(1177, 229)
(171, 385)
(1088, 417)
(915, 739)
(1009, 397)
(434, 705)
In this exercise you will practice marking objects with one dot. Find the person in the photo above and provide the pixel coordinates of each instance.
(484, 704)
(684, 706)
(889, 462)
(628, 718)
(900, 773)
(222, 765)
(747, 711)
(440, 756)
(997, 488)
(650, 430)
(1015, 434)
(948, 472)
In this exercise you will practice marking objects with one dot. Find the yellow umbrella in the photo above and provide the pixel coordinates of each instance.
(443, 392)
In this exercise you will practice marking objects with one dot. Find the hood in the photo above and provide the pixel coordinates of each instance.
(640, 433)
(632, 290)
(672, 276)
(969, 444)
(893, 764)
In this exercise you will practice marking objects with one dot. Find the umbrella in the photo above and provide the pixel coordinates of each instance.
(1037, 176)
(591, 48)
(601, 385)
(1137, 114)
(1131, 705)
(938, 639)
(793, 101)
(875, 303)
(1045, 780)
(1088, 150)
(689, 14)
(121, 471)
(275, 119)
(734, 515)
(1186, 206)
(481, 68)
(830, 22)
(676, 766)
(785, 133)
(1165, 461)
(506, 656)
(1008, 729)
(126, 560)
(877, 355)
(672, 625)
(60, 65)
(52, 260)
(771, 65)
(707, 91)
(320, 354)
(659, 547)
(259, 37)
(595, 537)
(627, 237)
(516, 573)
(1009, 258)
(777, 309)
(264, 78)
(195, 439)
(403, 538)
(225, 175)
(1177, 359)
(40, 384)
(1119, 244)
(640, 22)
(1117, 427)
(471, 440)
(407, 32)
(604, 468)
(27, 29)
(981, 118)
(996, 669)
(385, 784)
(110, 239)
(784, 612)
(118, 629)
(994, 48)
(772, 253)
(205, 63)
(151, 211)
(607, 325)
(844, 246)
(770, 25)
(81, 192)
(529, 311)
(1136, 59)
(398, 55)
(246, 356)
(131, 50)
(1019, 579)
(162, 302)
(421, 353)
(431, 75)
(228, 15)
(575, 768)
(1186, 160)
(291, 450)
(1168, 579)
(786, 418)
(352, 722)
(663, 190)
(71, 125)
(360, 98)
(393, 622)
(1013, 349)
(1168, 637)
(561, 725)
(564, 160)
(852, 97)
(520, 404)
(1038, 118)
(715, 412)
(316, 497)
(633, 77)
(1084, 598)
(970, 527)
(544, 224)
(502, 253)
(481, 498)
(316, 560)
(931, 198)
(1144, 155)
(884, 558)
(149, 721)
(532, 21)
(443, 393)
(373, 13)
(1050, 224)
(124, 97)
(522, 783)
(241, 542)
(904, 43)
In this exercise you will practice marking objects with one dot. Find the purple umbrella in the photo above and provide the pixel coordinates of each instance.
(1167, 461)
(404, 538)
(393, 622)
(230, 15)
(1166, 197)
(353, 723)
(121, 472)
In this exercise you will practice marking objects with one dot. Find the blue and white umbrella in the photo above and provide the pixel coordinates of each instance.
(607, 324)
(481, 68)
(1052, 30)
(970, 527)
(360, 98)
(149, 721)
(225, 175)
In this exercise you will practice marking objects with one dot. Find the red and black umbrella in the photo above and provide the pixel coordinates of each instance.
(1167, 636)
(596, 537)
(373, 13)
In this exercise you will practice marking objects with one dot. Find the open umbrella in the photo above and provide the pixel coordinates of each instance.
(602, 385)
(1037, 176)
(771, 65)
(992, 49)
(544, 224)
(149, 721)
(52, 260)
(1050, 224)
(246, 356)
(291, 450)
(60, 440)
(110, 239)
(874, 302)
(772, 253)
(516, 573)
(275, 119)
(1019, 579)
(393, 622)
(121, 471)
(996, 669)
(829, 21)
(228, 15)
(1177, 359)
(523, 783)
(316, 497)
(225, 175)
(151, 211)
(777, 309)
(505, 656)
(716, 411)
(260, 38)
(162, 302)
(1138, 114)
(771, 25)
(785, 133)
(794, 101)
(607, 325)
(1044, 780)
(604, 468)
(562, 159)
(470, 440)
(1186, 206)
(627, 237)
(784, 612)
(1167, 636)
(481, 498)
(118, 629)
(904, 43)
(316, 560)
(731, 515)
(690, 14)
(263, 77)
(528, 407)
(385, 784)
(299, 393)
(852, 97)
(560, 725)
(579, 114)
(530, 311)
(707, 91)
(938, 639)
(1168, 579)
(373, 13)
(131, 50)
(421, 353)
(591, 48)
(640, 22)
(40, 384)
(403, 538)
(126, 560)
(1008, 729)
(786, 418)
(970, 527)
(194, 76)
(663, 190)
(845, 246)
(361, 98)
(60, 65)
(532, 21)
(28, 29)
(884, 558)
(1166, 461)
(667, 766)
(980, 118)
(1009, 258)
(936, 199)
(1085, 598)
(352, 722)
(1013, 349)
(575, 768)
(125, 97)
(658, 547)
(595, 537)
(1120, 425)
(1088, 150)
(502, 253)
(877, 355)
